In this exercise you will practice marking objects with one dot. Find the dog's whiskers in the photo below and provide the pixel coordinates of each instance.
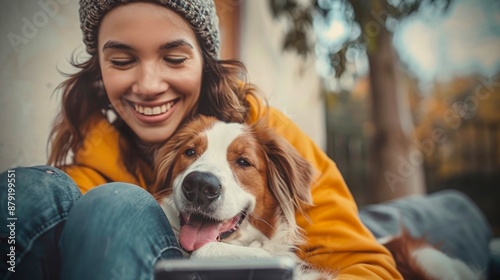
(161, 194)
(261, 219)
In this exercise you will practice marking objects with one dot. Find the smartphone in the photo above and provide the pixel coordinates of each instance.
(278, 268)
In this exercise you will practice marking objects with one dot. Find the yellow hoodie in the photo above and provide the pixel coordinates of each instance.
(336, 239)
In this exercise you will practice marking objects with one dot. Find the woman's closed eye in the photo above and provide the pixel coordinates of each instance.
(122, 62)
(175, 60)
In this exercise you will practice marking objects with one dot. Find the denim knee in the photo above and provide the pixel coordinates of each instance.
(116, 198)
(458, 202)
(118, 191)
(116, 228)
(41, 197)
(124, 205)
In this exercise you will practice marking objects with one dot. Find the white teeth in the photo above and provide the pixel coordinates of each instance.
(156, 110)
(152, 111)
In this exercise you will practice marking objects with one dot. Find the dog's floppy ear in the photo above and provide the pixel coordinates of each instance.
(164, 156)
(289, 174)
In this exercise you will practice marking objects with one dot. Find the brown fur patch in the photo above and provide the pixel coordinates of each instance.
(402, 248)
(253, 179)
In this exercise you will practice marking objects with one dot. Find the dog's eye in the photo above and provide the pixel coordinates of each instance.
(243, 162)
(189, 152)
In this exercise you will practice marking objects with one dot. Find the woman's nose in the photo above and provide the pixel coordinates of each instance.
(150, 81)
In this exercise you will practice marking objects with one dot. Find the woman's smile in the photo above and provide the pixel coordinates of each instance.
(150, 113)
(153, 110)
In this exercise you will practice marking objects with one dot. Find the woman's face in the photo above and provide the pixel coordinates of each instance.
(151, 66)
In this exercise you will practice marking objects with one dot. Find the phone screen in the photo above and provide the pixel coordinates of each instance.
(247, 269)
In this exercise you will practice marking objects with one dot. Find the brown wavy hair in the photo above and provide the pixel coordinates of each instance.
(223, 95)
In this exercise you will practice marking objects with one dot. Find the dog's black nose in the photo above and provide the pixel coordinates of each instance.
(201, 188)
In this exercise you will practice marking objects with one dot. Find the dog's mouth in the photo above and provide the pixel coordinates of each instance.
(198, 230)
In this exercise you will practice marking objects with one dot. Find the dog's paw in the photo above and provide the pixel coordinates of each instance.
(224, 250)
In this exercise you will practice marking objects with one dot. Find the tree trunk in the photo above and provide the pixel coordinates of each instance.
(395, 163)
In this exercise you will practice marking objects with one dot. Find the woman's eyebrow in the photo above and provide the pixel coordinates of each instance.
(116, 45)
(175, 44)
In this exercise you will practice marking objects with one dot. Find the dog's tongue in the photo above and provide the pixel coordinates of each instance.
(198, 232)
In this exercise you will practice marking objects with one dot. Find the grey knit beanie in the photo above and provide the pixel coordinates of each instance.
(200, 14)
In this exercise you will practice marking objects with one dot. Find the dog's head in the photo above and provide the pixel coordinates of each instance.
(226, 177)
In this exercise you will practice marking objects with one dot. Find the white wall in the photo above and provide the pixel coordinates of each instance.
(38, 37)
(289, 82)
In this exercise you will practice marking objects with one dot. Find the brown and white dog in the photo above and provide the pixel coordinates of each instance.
(231, 191)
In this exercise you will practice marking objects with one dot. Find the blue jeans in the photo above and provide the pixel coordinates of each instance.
(115, 231)
(448, 219)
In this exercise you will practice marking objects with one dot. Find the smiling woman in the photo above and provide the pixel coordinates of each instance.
(146, 73)
(154, 65)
